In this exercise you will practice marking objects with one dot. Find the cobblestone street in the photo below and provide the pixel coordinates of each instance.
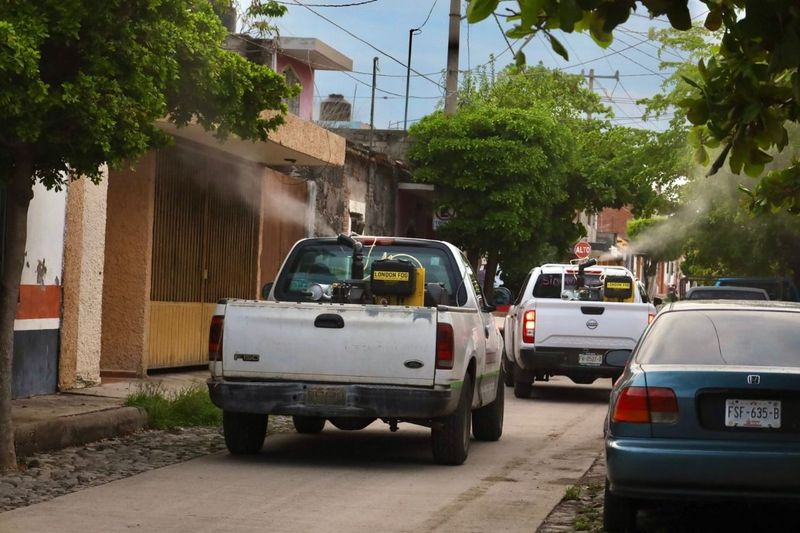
(45, 476)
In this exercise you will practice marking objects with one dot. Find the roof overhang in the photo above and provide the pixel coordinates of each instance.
(295, 142)
(421, 190)
(315, 53)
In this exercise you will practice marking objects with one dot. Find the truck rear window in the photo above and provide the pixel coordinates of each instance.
(552, 286)
(329, 262)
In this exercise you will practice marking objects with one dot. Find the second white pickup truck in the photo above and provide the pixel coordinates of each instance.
(565, 320)
(359, 329)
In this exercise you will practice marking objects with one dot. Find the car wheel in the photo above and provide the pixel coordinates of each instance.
(487, 421)
(450, 437)
(523, 383)
(508, 372)
(619, 513)
(308, 424)
(244, 432)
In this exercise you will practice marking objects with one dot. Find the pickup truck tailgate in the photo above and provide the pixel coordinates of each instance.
(329, 343)
(571, 324)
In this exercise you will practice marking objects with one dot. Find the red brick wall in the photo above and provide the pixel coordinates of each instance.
(614, 221)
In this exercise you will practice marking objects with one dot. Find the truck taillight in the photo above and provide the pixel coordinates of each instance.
(444, 346)
(215, 338)
(650, 318)
(529, 327)
(643, 405)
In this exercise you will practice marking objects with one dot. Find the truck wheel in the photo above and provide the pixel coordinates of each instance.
(487, 422)
(244, 432)
(308, 424)
(619, 513)
(523, 383)
(508, 372)
(451, 440)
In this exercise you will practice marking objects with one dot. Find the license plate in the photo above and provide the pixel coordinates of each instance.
(317, 395)
(753, 414)
(591, 359)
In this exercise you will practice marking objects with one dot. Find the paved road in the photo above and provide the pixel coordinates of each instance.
(370, 480)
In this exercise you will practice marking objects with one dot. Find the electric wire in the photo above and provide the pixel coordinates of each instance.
(353, 35)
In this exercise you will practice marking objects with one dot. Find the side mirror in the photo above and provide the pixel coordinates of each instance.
(657, 301)
(618, 358)
(266, 289)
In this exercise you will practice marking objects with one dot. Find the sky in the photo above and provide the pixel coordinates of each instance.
(380, 29)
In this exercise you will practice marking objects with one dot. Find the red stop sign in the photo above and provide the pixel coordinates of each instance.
(582, 249)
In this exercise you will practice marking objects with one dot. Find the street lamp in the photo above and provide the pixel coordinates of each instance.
(411, 34)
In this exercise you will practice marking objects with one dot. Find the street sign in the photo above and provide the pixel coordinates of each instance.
(442, 215)
(582, 249)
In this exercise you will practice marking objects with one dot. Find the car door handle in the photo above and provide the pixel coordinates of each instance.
(486, 331)
(329, 321)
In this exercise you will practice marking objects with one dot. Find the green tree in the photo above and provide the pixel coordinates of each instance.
(536, 198)
(82, 83)
(746, 92)
(499, 168)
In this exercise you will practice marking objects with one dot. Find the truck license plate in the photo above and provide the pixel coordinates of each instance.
(753, 414)
(320, 395)
(591, 359)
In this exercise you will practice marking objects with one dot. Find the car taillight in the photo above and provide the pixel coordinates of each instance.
(529, 327)
(650, 318)
(643, 405)
(444, 346)
(215, 338)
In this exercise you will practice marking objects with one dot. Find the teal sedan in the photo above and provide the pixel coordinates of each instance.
(708, 407)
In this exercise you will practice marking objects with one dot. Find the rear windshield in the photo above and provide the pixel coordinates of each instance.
(773, 288)
(327, 263)
(718, 337)
(551, 285)
(710, 294)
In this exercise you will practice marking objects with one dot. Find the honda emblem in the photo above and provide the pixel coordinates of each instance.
(753, 379)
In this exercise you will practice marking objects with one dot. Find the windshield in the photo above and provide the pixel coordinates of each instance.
(723, 337)
(328, 262)
(565, 286)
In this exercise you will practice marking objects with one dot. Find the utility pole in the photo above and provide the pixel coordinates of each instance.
(411, 34)
(451, 84)
(372, 104)
(592, 76)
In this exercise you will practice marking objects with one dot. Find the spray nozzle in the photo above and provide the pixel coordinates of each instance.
(349, 241)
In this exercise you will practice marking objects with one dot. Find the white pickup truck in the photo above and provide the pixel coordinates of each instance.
(356, 329)
(565, 320)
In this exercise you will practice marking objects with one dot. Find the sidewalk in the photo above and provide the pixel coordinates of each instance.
(78, 416)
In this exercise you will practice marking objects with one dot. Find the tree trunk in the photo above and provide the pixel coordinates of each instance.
(488, 280)
(18, 197)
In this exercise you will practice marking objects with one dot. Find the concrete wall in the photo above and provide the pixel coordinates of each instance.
(84, 255)
(393, 143)
(35, 364)
(127, 268)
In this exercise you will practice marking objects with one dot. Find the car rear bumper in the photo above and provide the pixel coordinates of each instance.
(329, 400)
(564, 361)
(678, 469)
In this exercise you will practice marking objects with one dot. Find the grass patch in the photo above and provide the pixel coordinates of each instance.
(166, 410)
(588, 520)
(572, 493)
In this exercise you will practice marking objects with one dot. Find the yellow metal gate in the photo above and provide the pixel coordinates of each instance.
(205, 247)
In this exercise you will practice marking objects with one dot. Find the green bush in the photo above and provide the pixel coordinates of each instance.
(165, 410)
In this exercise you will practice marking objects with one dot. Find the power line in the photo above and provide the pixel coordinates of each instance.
(388, 92)
(353, 35)
(353, 4)
(429, 15)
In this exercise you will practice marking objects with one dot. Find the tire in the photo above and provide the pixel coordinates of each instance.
(308, 424)
(450, 442)
(244, 432)
(619, 513)
(523, 383)
(487, 422)
(508, 372)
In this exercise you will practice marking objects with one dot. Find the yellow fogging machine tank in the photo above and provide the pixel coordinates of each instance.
(618, 289)
(397, 282)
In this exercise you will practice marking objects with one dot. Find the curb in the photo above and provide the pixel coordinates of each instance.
(75, 430)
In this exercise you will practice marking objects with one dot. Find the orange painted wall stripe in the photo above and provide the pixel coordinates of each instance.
(39, 301)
